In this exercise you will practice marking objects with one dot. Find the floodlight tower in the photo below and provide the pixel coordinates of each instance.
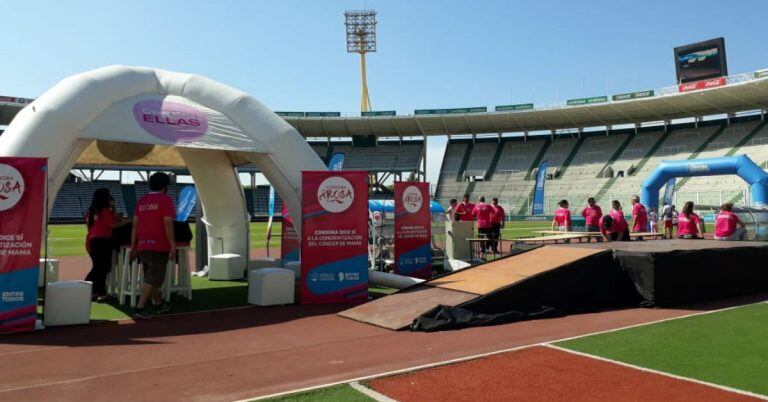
(361, 38)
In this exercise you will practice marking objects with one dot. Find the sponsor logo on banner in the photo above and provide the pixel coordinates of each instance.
(335, 194)
(412, 199)
(170, 121)
(703, 84)
(334, 237)
(22, 200)
(413, 251)
(11, 187)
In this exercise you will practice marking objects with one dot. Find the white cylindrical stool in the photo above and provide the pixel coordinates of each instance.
(270, 286)
(49, 271)
(226, 267)
(294, 266)
(67, 303)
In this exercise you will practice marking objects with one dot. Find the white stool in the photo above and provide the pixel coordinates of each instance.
(113, 277)
(131, 278)
(226, 267)
(262, 262)
(67, 303)
(270, 286)
(49, 271)
(178, 278)
(294, 266)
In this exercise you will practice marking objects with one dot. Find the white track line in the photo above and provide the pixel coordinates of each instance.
(370, 393)
(662, 373)
(482, 355)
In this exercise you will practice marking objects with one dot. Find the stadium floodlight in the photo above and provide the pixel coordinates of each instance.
(361, 39)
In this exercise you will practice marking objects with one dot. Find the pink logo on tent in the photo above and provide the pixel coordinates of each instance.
(170, 121)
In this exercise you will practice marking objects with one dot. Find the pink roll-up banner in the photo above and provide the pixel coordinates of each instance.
(22, 206)
(334, 237)
(413, 250)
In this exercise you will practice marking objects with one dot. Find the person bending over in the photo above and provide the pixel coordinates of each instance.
(562, 219)
(614, 226)
(592, 214)
(728, 226)
(688, 223)
(152, 239)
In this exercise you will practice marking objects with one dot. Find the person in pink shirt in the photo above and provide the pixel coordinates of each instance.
(464, 210)
(639, 216)
(484, 214)
(614, 225)
(689, 224)
(497, 222)
(152, 239)
(562, 219)
(728, 226)
(100, 220)
(592, 214)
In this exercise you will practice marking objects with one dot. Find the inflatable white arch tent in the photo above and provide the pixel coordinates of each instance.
(149, 117)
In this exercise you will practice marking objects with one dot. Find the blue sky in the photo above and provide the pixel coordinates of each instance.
(292, 56)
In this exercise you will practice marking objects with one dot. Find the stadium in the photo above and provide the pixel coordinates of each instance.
(583, 316)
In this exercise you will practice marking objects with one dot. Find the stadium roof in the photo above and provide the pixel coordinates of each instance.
(727, 95)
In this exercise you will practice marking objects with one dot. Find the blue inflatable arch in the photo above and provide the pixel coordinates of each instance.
(739, 165)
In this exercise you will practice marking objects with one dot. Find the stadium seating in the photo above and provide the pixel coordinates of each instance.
(608, 167)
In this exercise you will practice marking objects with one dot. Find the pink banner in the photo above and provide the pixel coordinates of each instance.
(413, 250)
(22, 202)
(334, 238)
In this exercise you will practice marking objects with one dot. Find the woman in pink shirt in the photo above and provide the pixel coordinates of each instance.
(100, 220)
(614, 226)
(688, 223)
(728, 226)
(562, 219)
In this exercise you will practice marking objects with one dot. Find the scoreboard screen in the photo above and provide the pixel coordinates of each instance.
(700, 61)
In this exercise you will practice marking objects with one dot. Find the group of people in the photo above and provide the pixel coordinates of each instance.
(490, 218)
(152, 242)
(613, 226)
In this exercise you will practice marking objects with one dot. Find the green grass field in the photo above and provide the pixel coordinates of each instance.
(341, 393)
(728, 348)
(69, 240)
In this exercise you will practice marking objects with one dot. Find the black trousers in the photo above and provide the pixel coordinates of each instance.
(488, 234)
(624, 236)
(101, 260)
(496, 235)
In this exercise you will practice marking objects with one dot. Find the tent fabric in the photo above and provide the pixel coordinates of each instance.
(443, 318)
(114, 105)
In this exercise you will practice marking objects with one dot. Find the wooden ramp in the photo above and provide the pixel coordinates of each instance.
(398, 310)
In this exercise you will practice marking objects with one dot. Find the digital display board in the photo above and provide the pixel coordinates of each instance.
(700, 61)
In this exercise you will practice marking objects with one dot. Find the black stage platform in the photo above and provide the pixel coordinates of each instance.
(672, 272)
(574, 278)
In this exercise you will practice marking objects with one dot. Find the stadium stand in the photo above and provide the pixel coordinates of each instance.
(604, 165)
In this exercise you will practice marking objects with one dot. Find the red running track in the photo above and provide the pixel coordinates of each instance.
(545, 374)
(249, 352)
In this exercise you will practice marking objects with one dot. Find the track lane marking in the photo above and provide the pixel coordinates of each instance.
(653, 371)
(482, 355)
